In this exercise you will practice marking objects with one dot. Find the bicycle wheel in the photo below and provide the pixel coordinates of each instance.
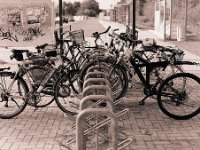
(65, 101)
(36, 74)
(12, 101)
(74, 70)
(178, 96)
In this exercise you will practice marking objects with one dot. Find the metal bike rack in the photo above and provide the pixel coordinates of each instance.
(93, 117)
(92, 81)
(80, 141)
(102, 98)
(96, 73)
(97, 88)
(97, 68)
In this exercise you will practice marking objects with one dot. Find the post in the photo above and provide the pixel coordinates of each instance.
(170, 20)
(61, 26)
(134, 19)
(128, 18)
(186, 10)
(164, 26)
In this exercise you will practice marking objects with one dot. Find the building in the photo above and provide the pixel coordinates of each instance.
(170, 17)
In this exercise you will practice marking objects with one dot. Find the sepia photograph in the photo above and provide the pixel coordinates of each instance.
(99, 75)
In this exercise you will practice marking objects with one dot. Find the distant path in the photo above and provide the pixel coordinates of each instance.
(89, 26)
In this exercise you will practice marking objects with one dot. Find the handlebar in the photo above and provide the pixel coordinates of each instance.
(97, 34)
(106, 30)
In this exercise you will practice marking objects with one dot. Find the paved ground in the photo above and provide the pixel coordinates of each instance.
(48, 128)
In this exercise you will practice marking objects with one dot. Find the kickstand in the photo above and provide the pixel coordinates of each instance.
(142, 102)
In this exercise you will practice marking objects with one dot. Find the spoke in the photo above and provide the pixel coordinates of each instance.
(1, 84)
(168, 94)
(169, 102)
(15, 103)
(172, 88)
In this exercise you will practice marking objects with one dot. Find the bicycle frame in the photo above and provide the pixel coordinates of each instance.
(149, 67)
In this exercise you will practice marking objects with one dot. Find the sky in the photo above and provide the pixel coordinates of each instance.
(103, 4)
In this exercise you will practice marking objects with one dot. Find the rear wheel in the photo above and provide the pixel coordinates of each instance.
(36, 74)
(67, 102)
(178, 96)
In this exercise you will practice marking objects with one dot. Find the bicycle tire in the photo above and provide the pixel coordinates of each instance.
(62, 96)
(74, 72)
(9, 94)
(37, 73)
(177, 92)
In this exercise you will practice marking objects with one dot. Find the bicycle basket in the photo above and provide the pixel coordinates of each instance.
(50, 51)
(77, 36)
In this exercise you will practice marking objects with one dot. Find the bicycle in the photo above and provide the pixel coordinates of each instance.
(18, 91)
(161, 86)
(36, 71)
(100, 55)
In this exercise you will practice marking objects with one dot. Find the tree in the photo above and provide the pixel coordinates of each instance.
(71, 9)
(141, 7)
(89, 8)
(77, 5)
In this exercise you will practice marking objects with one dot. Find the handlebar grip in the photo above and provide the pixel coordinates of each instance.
(106, 30)
(41, 46)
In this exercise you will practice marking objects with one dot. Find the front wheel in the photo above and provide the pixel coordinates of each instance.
(178, 96)
(12, 100)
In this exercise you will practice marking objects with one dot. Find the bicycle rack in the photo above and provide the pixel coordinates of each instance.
(95, 121)
(95, 75)
(97, 88)
(97, 68)
(81, 144)
(98, 81)
(99, 99)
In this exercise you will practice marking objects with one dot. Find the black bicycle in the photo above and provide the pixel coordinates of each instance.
(177, 95)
